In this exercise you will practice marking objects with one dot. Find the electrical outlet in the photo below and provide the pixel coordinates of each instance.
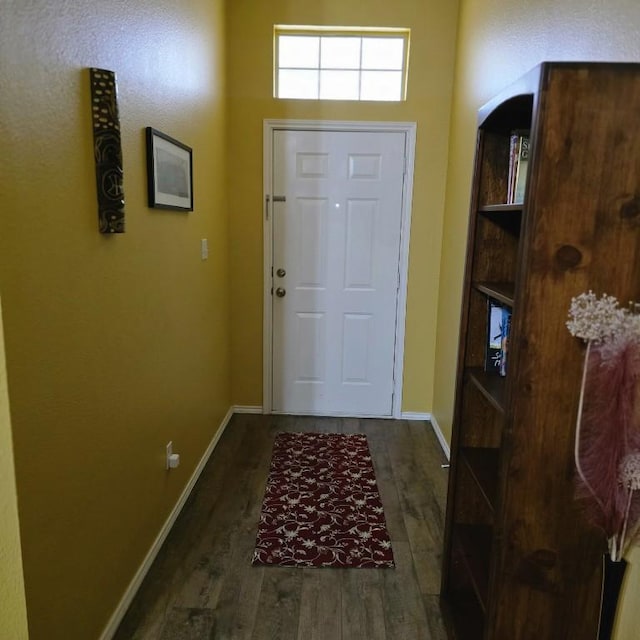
(169, 454)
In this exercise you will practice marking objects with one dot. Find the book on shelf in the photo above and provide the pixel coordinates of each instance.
(499, 325)
(522, 165)
(511, 181)
(505, 328)
(518, 164)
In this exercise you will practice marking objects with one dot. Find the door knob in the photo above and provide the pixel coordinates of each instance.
(280, 292)
(281, 273)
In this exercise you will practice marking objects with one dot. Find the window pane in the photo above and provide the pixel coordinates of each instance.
(298, 84)
(339, 85)
(312, 63)
(340, 53)
(298, 51)
(382, 53)
(381, 85)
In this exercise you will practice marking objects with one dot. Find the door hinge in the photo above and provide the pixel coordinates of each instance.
(266, 206)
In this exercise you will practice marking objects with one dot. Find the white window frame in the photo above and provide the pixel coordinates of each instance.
(327, 32)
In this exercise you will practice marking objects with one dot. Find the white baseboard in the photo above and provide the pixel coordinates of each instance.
(413, 415)
(133, 587)
(410, 415)
(238, 408)
(441, 439)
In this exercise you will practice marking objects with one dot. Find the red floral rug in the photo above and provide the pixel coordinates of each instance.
(321, 505)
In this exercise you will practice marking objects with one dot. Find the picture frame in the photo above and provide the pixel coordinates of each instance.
(169, 172)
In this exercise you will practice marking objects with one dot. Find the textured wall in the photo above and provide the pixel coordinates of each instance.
(114, 344)
(498, 41)
(250, 35)
(13, 611)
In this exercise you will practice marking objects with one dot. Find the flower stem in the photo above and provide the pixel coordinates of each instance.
(626, 520)
(579, 424)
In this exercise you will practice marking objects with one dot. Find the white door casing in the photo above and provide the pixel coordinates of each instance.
(339, 228)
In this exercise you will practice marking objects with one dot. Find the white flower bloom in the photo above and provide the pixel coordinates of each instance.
(602, 319)
(629, 471)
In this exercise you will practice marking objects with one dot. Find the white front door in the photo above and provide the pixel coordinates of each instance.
(337, 214)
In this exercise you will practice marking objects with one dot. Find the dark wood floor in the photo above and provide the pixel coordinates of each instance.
(202, 585)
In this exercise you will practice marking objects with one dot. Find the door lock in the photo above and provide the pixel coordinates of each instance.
(280, 292)
(281, 273)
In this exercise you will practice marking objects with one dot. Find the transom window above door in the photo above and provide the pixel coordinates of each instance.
(340, 63)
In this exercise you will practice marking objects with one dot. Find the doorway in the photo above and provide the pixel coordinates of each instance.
(337, 205)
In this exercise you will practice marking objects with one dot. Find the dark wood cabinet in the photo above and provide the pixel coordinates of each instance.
(520, 561)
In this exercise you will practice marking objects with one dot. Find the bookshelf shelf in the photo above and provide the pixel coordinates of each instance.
(473, 545)
(501, 208)
(492, 387)
(506, 216)
(483, 467)
(468, 621)
(501, 291)
(516, 546)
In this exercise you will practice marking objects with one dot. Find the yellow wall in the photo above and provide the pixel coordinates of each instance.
(114, 344)
(13, 610)
(498, 41)
(250, 32)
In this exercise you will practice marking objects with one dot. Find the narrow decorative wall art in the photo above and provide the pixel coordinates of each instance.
(107, 150)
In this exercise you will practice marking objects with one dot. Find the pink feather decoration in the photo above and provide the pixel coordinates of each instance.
(608, 432)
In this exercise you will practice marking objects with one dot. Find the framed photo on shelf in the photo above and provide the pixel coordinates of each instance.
(169, 172)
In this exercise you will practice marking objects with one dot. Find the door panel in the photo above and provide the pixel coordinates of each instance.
(337, 237)
(361, 219)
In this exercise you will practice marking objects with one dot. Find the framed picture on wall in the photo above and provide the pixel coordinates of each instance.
(169, 172)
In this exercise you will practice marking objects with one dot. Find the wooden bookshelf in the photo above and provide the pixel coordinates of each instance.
(519, 561)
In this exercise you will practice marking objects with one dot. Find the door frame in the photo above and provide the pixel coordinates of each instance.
(269, 127)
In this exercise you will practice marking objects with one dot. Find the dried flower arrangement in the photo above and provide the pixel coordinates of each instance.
(607, 442)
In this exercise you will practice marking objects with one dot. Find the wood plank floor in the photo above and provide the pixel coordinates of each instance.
(202, 585)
